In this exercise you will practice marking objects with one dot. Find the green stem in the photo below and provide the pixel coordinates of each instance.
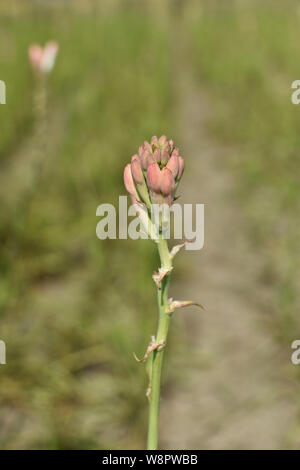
(157, 356)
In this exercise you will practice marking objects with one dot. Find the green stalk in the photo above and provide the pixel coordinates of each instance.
(157, 355)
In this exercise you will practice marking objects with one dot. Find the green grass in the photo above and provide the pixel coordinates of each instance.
(74, 308)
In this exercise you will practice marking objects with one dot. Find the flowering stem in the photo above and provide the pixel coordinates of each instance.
(161, 338)
(152, 179)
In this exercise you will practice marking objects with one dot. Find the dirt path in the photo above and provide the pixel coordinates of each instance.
(244, 398)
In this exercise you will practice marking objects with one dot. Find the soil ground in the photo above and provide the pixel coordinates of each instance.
(243, 398)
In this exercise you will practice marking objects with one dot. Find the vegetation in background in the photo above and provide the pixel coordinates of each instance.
(68, 301)
(246, 55)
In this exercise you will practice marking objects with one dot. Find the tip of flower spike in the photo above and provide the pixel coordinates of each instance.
(156, 171)
(154, 140)
(162, 140)
(147, 146)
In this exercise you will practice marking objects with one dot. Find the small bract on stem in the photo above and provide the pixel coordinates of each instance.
(151, 178)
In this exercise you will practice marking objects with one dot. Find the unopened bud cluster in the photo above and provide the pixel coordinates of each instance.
(154, 173)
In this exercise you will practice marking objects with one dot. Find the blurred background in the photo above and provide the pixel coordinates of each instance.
(216, 77)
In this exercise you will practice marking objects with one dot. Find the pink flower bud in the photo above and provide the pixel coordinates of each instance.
(162, 140)
(165, 153)
(136, 170)
(129, 183)
(167, 182)
(147, 146)
(139, 179)
(165, 156)
(153, 177)
(173, 165)
(156, 155)
(154, 141)
(180, 168)
(150, 159)
(146, 159)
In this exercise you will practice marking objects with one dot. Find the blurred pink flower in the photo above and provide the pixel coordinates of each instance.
(43, 59)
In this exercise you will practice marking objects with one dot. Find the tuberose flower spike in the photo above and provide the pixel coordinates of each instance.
(151, 178)
(156, 171)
